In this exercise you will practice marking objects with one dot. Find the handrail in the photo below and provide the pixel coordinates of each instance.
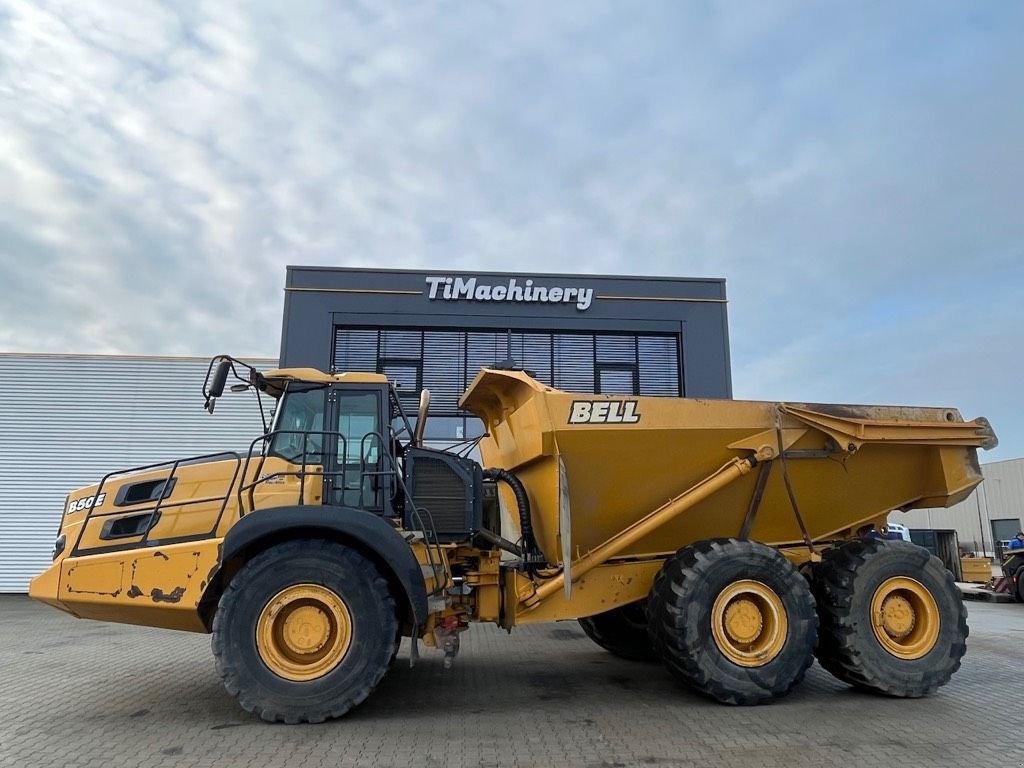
(91, 512)
(302, 473)
(386, 466)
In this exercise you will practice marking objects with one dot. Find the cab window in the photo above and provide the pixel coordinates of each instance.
(299, 427)
(359, 427)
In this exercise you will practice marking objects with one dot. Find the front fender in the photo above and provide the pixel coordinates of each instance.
(370, 534)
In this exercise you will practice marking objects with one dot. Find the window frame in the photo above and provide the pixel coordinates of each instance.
(562, 357)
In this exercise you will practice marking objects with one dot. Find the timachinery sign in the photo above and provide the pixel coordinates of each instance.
(473, 289)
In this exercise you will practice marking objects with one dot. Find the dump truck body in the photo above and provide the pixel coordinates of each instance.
(339, 532)
(624, 456)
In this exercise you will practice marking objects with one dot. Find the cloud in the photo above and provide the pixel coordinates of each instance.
(854, 173)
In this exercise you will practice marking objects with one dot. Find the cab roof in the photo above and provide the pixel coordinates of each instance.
(319, 377)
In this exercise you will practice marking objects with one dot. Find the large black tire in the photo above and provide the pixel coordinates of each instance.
(1018, 582)
(700, 587)
(1013, 570)
(911, 641)
(262, 628)
(622, 631)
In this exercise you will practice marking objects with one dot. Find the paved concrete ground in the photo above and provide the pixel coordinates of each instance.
(77, 693)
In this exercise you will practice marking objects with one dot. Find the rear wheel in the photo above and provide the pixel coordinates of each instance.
(1018, 581)
(622, 631)
(733, 620)
(892, 620)
(304, 632)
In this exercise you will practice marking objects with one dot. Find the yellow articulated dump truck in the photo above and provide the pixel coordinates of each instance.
(733, 541)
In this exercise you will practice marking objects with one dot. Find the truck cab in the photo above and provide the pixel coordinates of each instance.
(350, 429)
(337, 457)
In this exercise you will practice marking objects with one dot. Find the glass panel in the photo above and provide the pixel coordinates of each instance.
(616, 349)
(355, 350)
(359, 426)
(659, 365)
(445, 361)
(406, 378)
(533, 352)
(444, 369)
(484, 349)
(474, 427)
(407, 344)
(613, 381)
(300, 423)
(574, 362)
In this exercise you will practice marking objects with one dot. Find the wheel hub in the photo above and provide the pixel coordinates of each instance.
(749, 623)
(306, 629)
(303, 632)
(743, 620)
(898, 618)
(905, 617)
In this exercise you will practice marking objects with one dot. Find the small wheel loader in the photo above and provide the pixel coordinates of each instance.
(733, 541)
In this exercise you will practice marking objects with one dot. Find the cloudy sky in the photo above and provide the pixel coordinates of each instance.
(854, 171)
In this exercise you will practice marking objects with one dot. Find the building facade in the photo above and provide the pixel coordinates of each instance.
(435, 330)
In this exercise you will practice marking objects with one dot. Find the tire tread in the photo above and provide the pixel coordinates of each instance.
(614, 632)
(677, 632)
(842, 649)
(234, 678)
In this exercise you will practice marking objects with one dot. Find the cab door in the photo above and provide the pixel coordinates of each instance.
(358, 463)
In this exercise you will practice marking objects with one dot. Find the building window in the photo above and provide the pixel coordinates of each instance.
(445, 361)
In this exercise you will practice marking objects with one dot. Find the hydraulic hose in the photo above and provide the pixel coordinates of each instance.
(502, 543)
(522, 501)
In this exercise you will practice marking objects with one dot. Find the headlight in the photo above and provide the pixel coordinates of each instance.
(58, 545)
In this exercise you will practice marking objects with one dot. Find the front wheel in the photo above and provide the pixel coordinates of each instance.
(733, 620)
(892, 619)
(304, 632)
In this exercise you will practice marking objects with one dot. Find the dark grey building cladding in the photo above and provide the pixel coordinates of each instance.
(642, 335)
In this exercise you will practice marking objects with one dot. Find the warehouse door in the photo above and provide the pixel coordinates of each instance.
(1003, 530)
(446, 361)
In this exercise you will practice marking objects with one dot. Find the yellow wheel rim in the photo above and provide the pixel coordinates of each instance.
(303, 632)
(905, 617)
(748, 623)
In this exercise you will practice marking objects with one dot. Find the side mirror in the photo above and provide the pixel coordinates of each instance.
(220, 378)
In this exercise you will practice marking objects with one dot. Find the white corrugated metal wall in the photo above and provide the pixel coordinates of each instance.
(67, 420)
(1001, 496)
